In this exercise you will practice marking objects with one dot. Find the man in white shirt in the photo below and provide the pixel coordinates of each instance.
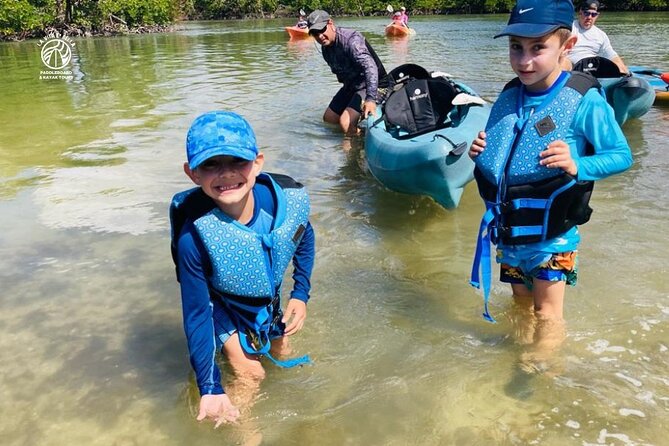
(592, 41)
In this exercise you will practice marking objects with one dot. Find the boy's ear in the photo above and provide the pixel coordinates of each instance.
(571, 41)
(191, 174)
(258, 163)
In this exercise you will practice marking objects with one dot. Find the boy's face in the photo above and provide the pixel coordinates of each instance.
(536, 61)
(227, 180)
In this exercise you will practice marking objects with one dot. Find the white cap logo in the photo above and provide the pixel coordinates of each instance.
(416, 91)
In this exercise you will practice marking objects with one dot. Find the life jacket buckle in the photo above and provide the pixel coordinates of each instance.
(505, 208)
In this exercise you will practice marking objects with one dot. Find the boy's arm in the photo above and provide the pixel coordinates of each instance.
(303, 261)
(198, 313)
(595, 121)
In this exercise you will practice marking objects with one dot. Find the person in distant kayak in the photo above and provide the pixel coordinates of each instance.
(302, 22)
(233, 237)
(591, 40)
(356, 65)
(536, 163)
(397, 19)
(404, 16)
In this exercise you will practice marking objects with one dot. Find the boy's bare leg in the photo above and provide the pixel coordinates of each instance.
(523, 317)
(244, 389)
(550, 330)
(249, 373)
(281, 347)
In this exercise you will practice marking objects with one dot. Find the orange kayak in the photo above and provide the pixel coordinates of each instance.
(297, 33)
(396, 30)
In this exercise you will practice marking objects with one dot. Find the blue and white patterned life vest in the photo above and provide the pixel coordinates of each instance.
(525, 201)
(241, 277)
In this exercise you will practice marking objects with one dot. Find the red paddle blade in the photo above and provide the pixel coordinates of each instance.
(665, 77)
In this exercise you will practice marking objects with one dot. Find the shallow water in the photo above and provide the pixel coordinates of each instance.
(93, 348)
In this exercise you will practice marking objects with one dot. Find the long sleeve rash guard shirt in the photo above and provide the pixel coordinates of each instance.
(353, 64)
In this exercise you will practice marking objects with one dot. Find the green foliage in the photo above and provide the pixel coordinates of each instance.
(139, 12)
(17, 16)
(29, 17)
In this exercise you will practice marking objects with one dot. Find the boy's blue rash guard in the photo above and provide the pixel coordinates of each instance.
(194, 268)
(594, 122)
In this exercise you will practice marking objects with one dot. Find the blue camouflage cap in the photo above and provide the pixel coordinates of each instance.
(220, 133)
(536, 18)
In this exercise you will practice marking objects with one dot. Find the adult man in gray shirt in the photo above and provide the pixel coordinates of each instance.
(356, 66)
(592, 41)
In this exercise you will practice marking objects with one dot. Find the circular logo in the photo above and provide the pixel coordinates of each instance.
(56, 53)
(416, 91)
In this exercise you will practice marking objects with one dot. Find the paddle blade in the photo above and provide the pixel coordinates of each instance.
(389, 8)
(665, 77)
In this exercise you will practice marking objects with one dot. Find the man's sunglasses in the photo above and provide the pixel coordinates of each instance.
(317, 32)
(589, 13)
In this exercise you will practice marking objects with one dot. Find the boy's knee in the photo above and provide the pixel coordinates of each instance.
(249, 369)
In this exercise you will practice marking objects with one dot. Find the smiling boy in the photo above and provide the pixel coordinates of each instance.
(233, 238)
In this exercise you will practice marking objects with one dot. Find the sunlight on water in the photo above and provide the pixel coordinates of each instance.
(93, 345)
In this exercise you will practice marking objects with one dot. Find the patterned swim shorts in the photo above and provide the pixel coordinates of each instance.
(562, 266)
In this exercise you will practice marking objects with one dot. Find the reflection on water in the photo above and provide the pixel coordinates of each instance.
(93, 345)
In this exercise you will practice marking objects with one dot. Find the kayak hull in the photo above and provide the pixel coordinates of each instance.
(426, 164)
(297, 33)
(395, 30)
(630, 96)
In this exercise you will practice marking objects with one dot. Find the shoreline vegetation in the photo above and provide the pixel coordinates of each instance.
(32, 19)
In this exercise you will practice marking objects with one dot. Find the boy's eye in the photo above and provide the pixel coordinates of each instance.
(217, 164)
(211, 165)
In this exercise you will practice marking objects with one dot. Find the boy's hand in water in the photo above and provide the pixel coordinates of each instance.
(558, 155)
(294, 316)
(218, 408)
(478, 145)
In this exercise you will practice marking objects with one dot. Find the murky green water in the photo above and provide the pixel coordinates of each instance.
(93, 351)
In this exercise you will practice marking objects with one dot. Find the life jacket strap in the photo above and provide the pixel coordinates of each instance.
(482, 260)
(264, 345)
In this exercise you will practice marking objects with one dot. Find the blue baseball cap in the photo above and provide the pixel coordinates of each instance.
(536, 18)
(220, 133)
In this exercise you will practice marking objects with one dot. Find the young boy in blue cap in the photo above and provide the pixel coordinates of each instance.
(550, 135)
(233, 238)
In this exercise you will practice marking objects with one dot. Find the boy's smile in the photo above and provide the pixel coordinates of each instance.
(228, 181)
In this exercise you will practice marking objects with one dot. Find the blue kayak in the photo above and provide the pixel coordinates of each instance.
(629, 96)
(418, 144)
(656, 79)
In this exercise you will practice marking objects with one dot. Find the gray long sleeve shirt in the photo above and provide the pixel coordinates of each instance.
(352, 62)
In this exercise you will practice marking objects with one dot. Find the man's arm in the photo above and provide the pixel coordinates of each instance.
(365, 61)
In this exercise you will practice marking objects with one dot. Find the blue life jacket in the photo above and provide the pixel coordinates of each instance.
(525, 201)
(248, 286)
